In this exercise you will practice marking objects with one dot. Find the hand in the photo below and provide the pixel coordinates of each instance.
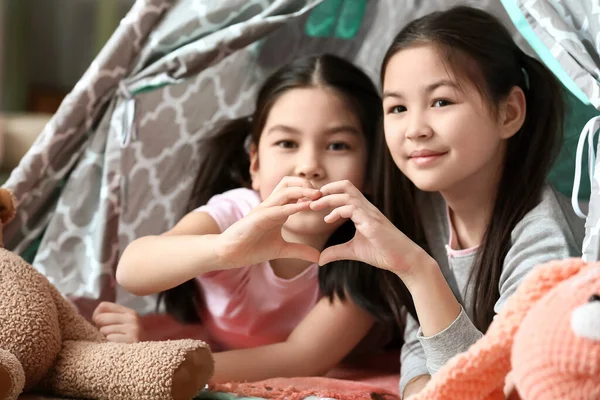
(377, 241)
(118, 323)
(415, 385)
(257, 237)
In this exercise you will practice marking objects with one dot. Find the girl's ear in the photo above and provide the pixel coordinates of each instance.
(512, 112)
(254, 168)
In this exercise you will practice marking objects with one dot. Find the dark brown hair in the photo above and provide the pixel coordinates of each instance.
(478, 49)
(227, 167)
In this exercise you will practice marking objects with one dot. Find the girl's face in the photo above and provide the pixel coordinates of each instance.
(309, 133)
(441, 135)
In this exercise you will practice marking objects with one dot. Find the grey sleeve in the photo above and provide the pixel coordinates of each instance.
(535, 241)
(455, 339)
(412, 355)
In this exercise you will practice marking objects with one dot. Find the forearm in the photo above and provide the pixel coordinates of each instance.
(415, 386)
(324, 337)
(275, 360)
(436, 305)
(155, 263)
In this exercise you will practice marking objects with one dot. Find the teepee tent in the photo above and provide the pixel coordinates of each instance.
(566, 35)
(119, 158)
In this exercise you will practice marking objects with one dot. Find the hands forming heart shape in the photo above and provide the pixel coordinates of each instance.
(257, 237)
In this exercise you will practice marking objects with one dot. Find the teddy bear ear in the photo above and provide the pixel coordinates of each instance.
(7, 206)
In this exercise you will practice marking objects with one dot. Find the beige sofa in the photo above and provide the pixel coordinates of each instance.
(18, 131)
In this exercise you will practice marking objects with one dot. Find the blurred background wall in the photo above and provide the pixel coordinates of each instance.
(45, 47)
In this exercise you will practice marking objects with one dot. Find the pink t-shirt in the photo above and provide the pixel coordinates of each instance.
(251, 306)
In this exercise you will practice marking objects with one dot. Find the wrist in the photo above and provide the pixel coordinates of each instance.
(421, 267)
(415, 385)
(222, 253)
(435, 303)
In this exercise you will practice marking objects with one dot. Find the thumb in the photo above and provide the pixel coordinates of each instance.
(335, 253)
(300, 251)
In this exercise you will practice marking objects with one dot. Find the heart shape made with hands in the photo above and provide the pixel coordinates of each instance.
(376, 240)
(341, 201)
(304, 251)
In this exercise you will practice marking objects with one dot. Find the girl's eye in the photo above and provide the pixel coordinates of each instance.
(286, 144)
(441, 103)
(397, 109)
(338, 146)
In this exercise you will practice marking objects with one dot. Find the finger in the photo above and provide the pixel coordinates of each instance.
(127, 330)
(110, 307)
(340, 212)
(332, 201)
(114, 319)
(299, 251)
(114, 329)
(336, 253)
(289, 181)
(120, 338)
(290, 195)
(341, 187)
(283, 212)
(357, 215)
(103, 307)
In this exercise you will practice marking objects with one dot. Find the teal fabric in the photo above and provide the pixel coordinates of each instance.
(579, 110)
(323, 18)
(563, 172)
(350, 19)
(208, 395)
(542, 51)
(336, 18)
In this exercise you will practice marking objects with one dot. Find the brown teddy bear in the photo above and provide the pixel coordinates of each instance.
(47, 347)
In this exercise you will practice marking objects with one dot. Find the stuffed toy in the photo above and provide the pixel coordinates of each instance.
(47, 347)
(546, 339)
